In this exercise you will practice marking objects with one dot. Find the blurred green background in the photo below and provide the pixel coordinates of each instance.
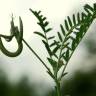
(81, 83)
(25, 76)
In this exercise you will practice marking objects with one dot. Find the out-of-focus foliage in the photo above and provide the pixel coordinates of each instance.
(70, 35)
(91, 45)
(81, 84)
(20, 89)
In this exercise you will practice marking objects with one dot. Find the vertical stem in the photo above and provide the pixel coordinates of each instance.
(58, 91)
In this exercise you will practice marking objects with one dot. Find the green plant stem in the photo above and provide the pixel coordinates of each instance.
(57, 83)
(58, 92)
(56, 73)
(36, 54)
(60, 58)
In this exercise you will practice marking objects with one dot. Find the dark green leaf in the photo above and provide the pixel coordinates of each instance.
(48, 29)
(74, 19)
(80, 33)
(67, 54)
(69, 20)
(57, 42)
(56, 56)
(39, 12)
(83, 16)
(82, 29)
(44, 18)
(47, 47)
(77, 37)
(31, 10)
(73, 45)
(36, 14)
(51, 37)
(21, 28)
(87, 10)
(66, 25)
(55, 49)
(40, 34)
(46, 23)
(87, 20)
(41, 16)
(64, 74)
(62, 55)
(88, 7)
(53, 63)
(95, 7)
(41, 25)
(78, 17)
(62, 29)
(54, 43)
(60, 37)
(61, 63)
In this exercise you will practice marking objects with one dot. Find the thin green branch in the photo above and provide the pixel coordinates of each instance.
(36, 54)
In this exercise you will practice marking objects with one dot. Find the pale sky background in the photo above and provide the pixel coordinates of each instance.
(55, 11)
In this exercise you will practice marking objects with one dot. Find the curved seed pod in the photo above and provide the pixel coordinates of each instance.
(18, 38)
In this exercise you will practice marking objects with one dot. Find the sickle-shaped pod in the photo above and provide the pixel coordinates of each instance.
(18, 36)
